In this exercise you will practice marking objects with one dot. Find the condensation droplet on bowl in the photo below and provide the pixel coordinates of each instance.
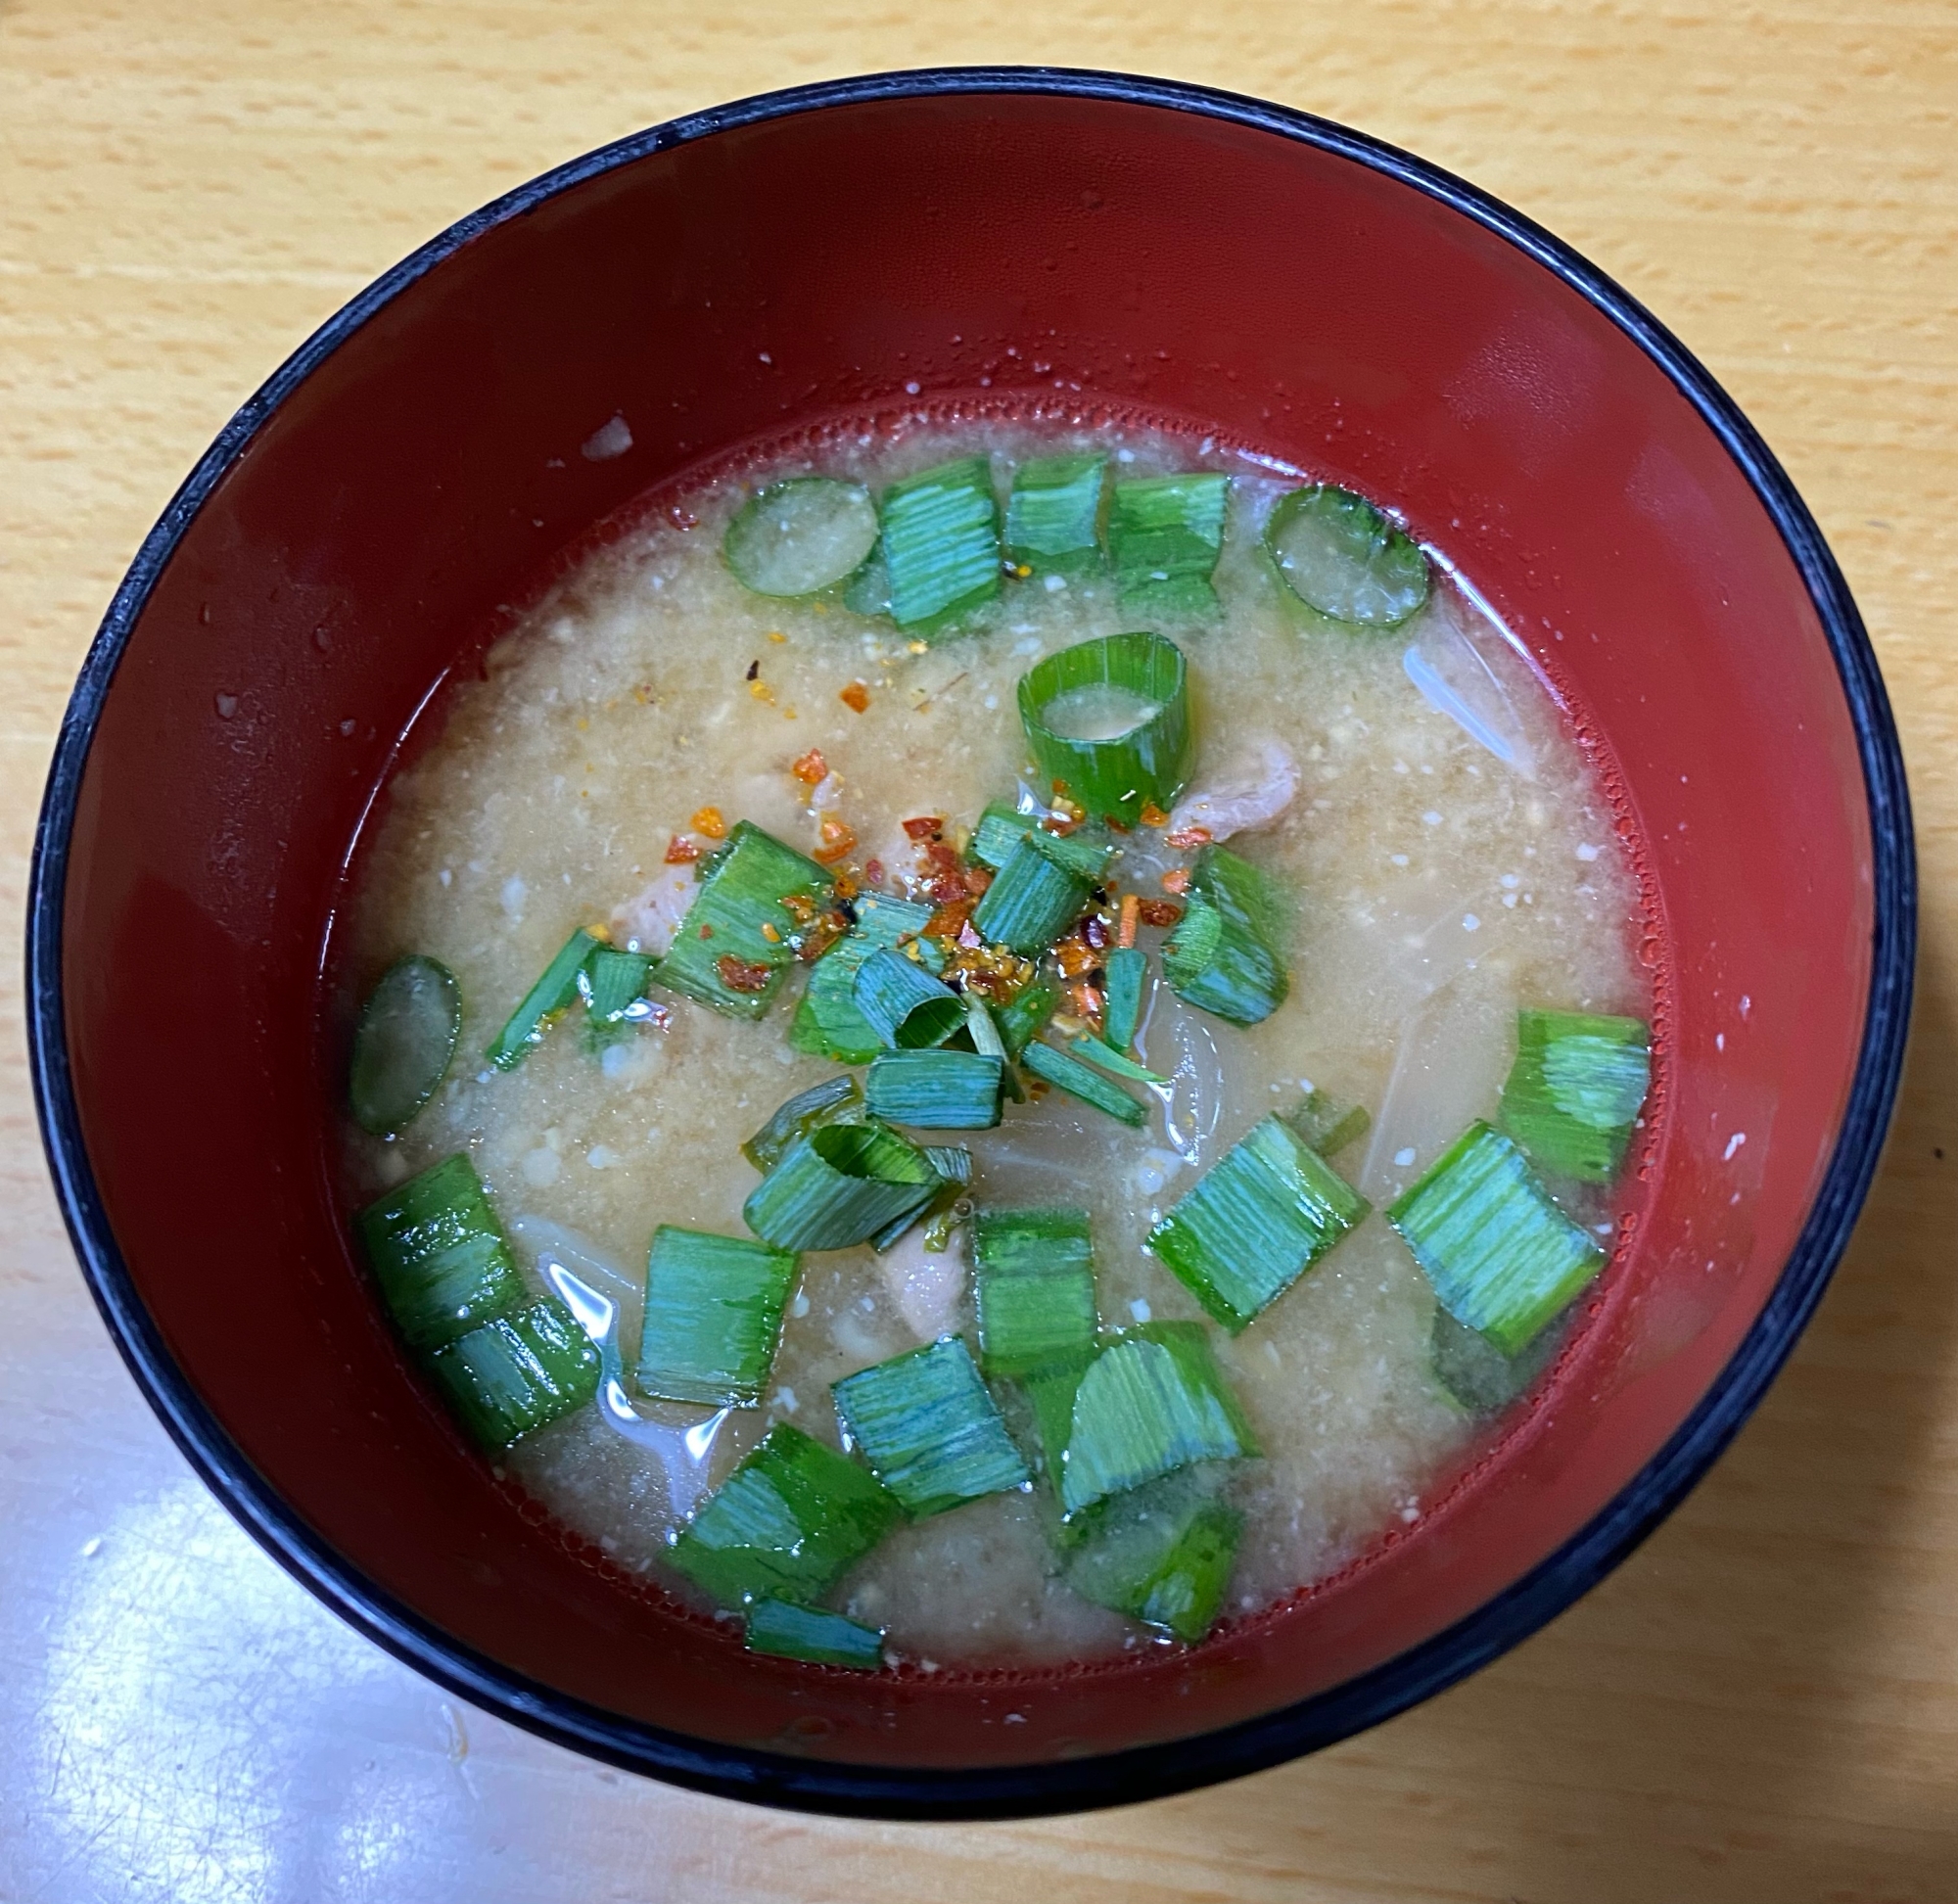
(227, 705)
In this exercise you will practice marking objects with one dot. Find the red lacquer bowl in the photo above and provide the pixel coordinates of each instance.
(1246, 268)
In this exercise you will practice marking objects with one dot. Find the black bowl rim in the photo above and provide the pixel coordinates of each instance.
(1143, 1772)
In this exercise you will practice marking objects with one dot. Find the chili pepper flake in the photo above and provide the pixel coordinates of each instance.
(1125, 932)
(709, 822)
(833, 839)
(812, 769)
(754, 670)
(769, 933)
(927, 826)
(856, 697)
(1177, 881)
(1186, 837)
(739, 975)
(1152, 815)
(1159, 913)
(680, 851)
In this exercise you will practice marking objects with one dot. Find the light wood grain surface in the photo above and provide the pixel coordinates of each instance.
(1761, 1706)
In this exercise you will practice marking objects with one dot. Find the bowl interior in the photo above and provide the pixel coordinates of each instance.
(1050, 249)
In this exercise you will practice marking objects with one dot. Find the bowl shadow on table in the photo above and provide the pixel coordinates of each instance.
(1738, 1715)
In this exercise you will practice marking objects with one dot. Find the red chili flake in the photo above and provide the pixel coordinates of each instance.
(834, 839)
(977, 879)
(800, 907)
(709, 822)
(1186, 837)
(1152, 815)
(1075, 958)
(949, 920)
(1177, 881)
(926, 828)
(1159, 913)
(680, 851)
(1087, 1002)
(873, 871)
(810, 945)
(812, 769)
(739, 975)
(845, 887)
(1131, 909)
(706, 932)
(856, 697)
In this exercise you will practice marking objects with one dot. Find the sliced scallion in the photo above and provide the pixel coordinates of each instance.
(1108, 721)
(1152, 1401)
(869, 590)
(941, 543)
(1000, 830)
(1097, 1052)
(721, 956)
(518, 1371)
(713, 1316)
(1165, 534)
(553, 993)
(438, 1252)
(827, 1022)
(1576, 1089)
(929, 1429)
(1325, 1122)
(840, 1184)
(1078, 1081)
(1034, 1290)
(613, 985)
(1053, 515)
(801, 537)
(404, 1043)
(835, 1100)
(953, 1166)
(1125, 979)
(1227, 955)
(1043, 888)
(936, 1089)
(1256, 1221)
(1477, 1376)
(1502, 1258)
(806, 1633)
(907, 1008)
(1333, 551)
(1161, 1555)
(1025, 1017)
(787, 1524)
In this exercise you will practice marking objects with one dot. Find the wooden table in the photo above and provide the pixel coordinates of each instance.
(1761, 1705)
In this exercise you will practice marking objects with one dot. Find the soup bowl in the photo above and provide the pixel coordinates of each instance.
(1025, 238)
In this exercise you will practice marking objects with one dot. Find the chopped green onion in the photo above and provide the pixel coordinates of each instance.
(1026, 1016)
(1333, 551)
(1054, 515)
(936, 1090)
(1502, 1258)
(404, 1043)
(438, 1252)
(1108, 721)
(1227, 952)
(1034, 1290)
(869, 591)
(1576, 1089)
(1223, 966)
(907, 1008)
(1152, 1401)
(1073, 1077)
(1078, 854)
(1477, 1376)
(1000, 830)
(552, 994)
(941, 543)
(1051, 1392)
(722, 957)
(1161, 1555)
(1256, 1221)
(518, 1371)
(840, 1184)
(713, 1316)
(787, 1524)
(613, 985)
(1039, 893)
(953, 1168)
(806, 1633)
(986, 1039)
(929, 1429)
(827, 1022)
(1125, 978)
(835, 1100)
(1325, 1122)
(1096, 1052)
(801, 537)
(1165, 534)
